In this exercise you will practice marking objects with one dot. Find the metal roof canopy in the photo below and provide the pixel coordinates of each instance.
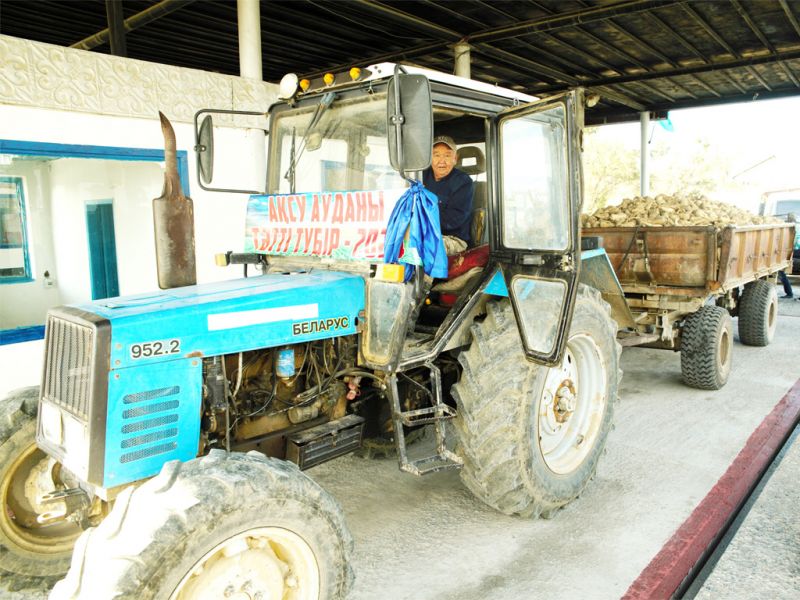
(639, 55)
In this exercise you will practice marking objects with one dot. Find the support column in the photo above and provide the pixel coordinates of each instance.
(249, 14)
(462, 59)
(250, 67)
(644, 119)
(116, 28)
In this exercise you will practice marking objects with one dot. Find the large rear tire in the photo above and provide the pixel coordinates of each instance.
(31, 554)
(224, 525)
(758, 313)
(531, 436)
(707, 348)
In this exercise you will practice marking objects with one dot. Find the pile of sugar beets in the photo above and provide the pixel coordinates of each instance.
(672, 210)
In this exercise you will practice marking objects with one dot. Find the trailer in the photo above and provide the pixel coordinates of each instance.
(679, 288)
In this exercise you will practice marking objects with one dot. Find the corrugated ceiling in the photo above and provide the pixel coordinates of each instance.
(638, 55)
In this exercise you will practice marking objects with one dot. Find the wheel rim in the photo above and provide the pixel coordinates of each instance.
(572, 406)
(258, 564)
(724, 349)
(23, 481)
(772, 314)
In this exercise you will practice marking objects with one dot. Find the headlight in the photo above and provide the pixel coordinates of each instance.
(67, 433)
(76, 446)
(50, 419)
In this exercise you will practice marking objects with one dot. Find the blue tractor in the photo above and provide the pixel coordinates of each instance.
(173, 428)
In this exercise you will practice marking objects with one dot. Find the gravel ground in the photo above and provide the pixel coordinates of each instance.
(429, 538)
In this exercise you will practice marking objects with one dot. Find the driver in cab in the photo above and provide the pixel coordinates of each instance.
(454, 189)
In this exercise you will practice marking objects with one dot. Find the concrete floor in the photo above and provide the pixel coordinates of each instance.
(430, 539)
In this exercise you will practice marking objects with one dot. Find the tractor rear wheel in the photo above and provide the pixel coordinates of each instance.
(707, 348)
(224, 525)
(758, 313)
(31, 553)
(531, 436)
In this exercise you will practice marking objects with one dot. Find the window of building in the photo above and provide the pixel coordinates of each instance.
(14, 258)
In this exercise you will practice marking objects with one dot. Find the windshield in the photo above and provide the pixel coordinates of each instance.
(341, 147)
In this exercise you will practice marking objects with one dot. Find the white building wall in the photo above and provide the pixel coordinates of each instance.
(25, 304)
(66, 96)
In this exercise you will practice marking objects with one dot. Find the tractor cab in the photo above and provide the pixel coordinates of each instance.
(344, 149)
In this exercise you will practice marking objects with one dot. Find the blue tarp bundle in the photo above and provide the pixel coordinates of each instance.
(417, 212)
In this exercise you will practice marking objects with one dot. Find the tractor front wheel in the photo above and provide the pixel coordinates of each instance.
(31, 552)
(225, 525)
(531, 436)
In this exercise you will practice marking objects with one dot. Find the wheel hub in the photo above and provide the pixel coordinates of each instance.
(572, 406)
(262, 564)
(565, 400)
(40, 482)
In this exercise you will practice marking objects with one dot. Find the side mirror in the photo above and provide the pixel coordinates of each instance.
(410, 122)
(239, 147)
(205, 150)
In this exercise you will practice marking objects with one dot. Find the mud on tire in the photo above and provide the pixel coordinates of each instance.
(30, 554)
(168, 528)
(707, 348)
(506, 416)
(758, 313)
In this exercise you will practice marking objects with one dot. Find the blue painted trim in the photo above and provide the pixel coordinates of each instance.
(24, 148)
(21, 334)
(20, 197)
(497, 285)
(586, 254)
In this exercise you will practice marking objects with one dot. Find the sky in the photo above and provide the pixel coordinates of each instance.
(763, 137)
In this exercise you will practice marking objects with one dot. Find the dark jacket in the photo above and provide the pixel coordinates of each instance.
(455, 193)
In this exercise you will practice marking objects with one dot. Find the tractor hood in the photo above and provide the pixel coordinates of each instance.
(230, 316)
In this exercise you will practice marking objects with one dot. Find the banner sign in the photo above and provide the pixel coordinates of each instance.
(339, 225)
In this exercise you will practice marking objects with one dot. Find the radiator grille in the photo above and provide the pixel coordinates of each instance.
(68, 367)
(139, 435)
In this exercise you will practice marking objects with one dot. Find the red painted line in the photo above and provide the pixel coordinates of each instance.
(676, 559)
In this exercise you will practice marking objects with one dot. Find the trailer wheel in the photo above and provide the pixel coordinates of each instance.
(531, 436)
(706, 348)
(758, 313)
(220, 526)
(30, 553)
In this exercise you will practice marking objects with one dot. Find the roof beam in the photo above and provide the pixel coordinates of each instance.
(688, 45)
(763, 39)
(715, 66)
(570, 19)
(148, 15)
(790, 16)
(642, 44)
(718, 38)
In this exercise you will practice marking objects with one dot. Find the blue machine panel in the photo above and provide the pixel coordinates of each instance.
(230, 316)
(153, 417)
(158, 342)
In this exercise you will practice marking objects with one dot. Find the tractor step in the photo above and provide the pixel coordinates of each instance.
(425, 416)
(432, 464)
(436, 414)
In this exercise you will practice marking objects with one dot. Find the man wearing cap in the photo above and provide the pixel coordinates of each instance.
(454, 189)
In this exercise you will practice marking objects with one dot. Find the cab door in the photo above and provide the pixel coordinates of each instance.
(536, 232)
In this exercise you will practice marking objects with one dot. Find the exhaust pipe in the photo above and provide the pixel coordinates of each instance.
(173, 218)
